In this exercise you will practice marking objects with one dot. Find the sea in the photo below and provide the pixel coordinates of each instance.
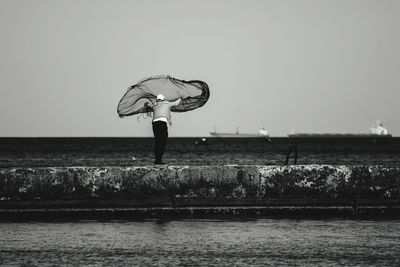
(262, 242)
(195, 242)
(138, 151)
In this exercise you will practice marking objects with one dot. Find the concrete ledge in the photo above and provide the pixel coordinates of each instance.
(199, 191)
(374, 212)
(227, 183)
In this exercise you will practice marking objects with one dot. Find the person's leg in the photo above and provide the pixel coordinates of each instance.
(163, 139)
(160, 131)
(157, 143)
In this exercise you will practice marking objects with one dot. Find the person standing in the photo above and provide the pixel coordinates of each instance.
(161, 118)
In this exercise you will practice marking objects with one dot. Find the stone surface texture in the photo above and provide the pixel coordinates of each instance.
(228, 182)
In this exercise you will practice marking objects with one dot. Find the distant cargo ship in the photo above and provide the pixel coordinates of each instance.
(378, 130)
(261, 133)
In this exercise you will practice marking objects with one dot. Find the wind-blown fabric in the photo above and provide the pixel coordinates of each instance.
(194, 94)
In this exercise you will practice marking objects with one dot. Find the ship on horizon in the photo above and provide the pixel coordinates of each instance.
(377, 130)
(261, 133)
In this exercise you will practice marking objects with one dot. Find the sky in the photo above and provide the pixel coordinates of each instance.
(304, 65)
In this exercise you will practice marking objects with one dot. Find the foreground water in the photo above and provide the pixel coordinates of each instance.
(270, 242)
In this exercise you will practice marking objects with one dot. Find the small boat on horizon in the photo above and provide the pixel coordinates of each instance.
(261, 133)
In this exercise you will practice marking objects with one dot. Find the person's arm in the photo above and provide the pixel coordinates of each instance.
(148, 106)
(176, 102)
(173, 104)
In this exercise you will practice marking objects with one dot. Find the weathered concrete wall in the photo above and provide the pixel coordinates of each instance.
(201, 185)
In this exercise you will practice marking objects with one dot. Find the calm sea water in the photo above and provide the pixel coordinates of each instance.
(267, 242)
(40, 152)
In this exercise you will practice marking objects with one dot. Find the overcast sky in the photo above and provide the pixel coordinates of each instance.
(306, 65)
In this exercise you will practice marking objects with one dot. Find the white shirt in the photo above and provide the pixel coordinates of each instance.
(161, 119)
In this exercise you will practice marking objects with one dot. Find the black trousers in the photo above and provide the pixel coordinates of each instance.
(160, 131)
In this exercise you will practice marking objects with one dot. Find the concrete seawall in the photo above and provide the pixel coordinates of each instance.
(200, 187)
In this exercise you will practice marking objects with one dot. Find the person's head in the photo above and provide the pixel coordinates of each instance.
(160, 97)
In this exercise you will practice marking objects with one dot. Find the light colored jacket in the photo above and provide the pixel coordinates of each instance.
(163, 109)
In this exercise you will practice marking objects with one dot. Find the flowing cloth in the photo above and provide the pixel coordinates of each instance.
(194, 94)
